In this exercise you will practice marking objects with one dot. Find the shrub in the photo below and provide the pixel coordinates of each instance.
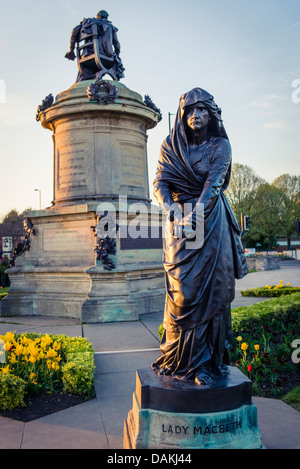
(77, 374)
(293, 398)
(262, 337)
(12, 391)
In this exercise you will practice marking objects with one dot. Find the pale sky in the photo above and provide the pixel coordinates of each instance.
(246, 54)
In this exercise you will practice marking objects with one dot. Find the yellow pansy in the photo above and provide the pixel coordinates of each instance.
(5, 369)
(32, 359)
(8, 346)
(51, 353)
(12, 359)
(47, 339)
(33, 350)
(25, 340)
(9, 337)
(56, 346)
(31, 377)
(55, 366)
(26, 351)
(19, 349)
(49, 364)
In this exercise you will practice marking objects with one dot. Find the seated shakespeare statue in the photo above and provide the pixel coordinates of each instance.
(99, 38)
(193, 171)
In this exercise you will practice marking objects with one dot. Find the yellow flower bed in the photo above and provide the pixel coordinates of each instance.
(46, 363)
(36, 361)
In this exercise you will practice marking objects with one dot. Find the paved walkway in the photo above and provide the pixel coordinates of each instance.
(120, 349)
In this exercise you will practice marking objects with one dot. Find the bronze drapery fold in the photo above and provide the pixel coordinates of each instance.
(200, 282)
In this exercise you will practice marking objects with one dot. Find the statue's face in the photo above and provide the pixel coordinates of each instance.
(197, 117)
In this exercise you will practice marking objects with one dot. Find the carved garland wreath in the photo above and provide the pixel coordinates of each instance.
(105, 244)
(94, 92)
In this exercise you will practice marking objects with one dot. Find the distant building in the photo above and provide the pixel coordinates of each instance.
(282, 244)
(7, 246)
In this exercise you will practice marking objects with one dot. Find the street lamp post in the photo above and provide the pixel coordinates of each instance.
(40, 197)
(170, 127)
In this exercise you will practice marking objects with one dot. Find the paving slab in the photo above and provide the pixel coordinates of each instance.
(152, 322)
(279, 424)
(79, 427)
(114, 411)
(41, 324)
(115, 383)
(270, 277)
(124, 361)
(11, 433)
(119, 336)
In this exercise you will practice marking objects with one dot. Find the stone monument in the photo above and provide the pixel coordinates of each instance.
(192, 398)
(174, 414)
(95, 254)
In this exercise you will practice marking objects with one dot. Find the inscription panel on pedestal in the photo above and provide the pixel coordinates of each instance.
(71, 168)
(134, 173)
(67, 239)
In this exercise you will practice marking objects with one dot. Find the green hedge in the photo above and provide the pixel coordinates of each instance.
(12, 391)
(261, 346)
(272, 326)
(267, 313)
(272, 291)
(78, 370)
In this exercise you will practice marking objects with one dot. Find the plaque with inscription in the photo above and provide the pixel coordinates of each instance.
(71, 167)
(146, 238)
(67, 239)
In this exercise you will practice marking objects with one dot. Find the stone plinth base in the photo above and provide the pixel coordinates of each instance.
(59, 275)
(169, 413)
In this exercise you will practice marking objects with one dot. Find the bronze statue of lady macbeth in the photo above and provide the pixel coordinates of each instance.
(194, 168)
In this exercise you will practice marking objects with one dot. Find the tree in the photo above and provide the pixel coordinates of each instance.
(290, 186)
(242, 188)
(267, 215)
(12, 225)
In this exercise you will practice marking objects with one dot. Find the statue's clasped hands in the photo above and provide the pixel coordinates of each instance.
(183, 226)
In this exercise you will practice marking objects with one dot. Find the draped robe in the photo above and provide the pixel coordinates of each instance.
(200, 282)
